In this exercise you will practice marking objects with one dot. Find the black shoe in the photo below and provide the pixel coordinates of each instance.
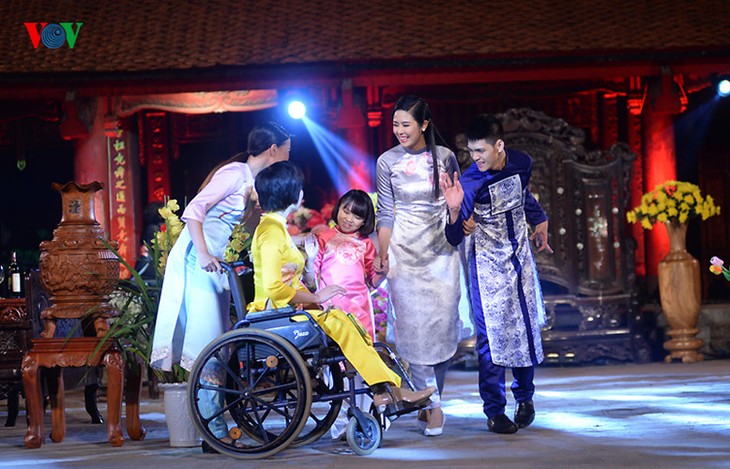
(501, 424)
(524, 414)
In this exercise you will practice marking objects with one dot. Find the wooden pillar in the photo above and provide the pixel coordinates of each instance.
(104, 156)
(609, 120)
(91, 164)
(634, 103)
(354, 126)
(154, 133)
(660, 160)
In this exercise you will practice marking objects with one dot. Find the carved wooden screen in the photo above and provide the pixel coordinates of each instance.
(598, 190)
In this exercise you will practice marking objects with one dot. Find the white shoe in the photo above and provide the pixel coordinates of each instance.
(436, 421)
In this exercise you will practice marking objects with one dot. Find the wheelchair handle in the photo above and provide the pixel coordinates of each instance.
(234, 270)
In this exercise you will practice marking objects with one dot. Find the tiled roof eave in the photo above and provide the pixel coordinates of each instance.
(281, 75)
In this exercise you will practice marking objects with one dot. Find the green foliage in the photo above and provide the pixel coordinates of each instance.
(137, 300)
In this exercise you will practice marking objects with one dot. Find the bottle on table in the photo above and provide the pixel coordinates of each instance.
(14, 278)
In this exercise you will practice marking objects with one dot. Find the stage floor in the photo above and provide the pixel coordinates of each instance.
(650, 415)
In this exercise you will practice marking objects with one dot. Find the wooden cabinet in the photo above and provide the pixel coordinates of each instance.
(589, 283)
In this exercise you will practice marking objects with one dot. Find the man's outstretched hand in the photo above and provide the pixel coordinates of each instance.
(540, 236)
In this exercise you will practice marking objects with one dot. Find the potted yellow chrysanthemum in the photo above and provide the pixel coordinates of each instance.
(674, 203)
(167, 235)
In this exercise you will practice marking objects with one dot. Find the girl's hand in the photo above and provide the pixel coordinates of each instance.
(328, 292)
(380, 265)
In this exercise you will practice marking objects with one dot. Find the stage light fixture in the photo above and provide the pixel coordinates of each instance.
(297, 109)
(723, 87)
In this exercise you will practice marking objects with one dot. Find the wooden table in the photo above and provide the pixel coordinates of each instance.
(54, 355)
(15, 340)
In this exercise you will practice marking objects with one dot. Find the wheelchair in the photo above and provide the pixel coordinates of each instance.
(279, 382)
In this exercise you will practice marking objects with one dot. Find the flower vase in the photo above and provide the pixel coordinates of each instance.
(679, 289)
(180, 426)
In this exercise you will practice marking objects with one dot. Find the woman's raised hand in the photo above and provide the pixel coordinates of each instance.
(328, 292)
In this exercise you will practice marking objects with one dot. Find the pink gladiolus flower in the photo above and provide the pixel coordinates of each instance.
(716, 261)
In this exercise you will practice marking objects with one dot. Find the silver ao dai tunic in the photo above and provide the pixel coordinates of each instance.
(504, 282)
(423, 279)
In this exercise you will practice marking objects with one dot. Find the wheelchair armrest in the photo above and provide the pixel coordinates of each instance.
(280, 319)
(270, 314)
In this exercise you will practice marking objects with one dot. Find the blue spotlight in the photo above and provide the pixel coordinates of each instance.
(347, 166)
(297, 109)
(723, 88)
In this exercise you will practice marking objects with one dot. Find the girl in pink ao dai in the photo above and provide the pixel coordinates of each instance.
(346, 257)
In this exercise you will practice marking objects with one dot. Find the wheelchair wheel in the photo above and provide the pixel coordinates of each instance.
(364, 440)
(323, 412)
(263, 389)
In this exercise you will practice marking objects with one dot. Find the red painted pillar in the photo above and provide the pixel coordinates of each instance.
(154, 131)
(660, 165)
(91, 164)
(104, 155)
(352, 121)
(637, 186)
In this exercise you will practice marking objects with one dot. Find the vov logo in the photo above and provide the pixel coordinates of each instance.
(53, 35)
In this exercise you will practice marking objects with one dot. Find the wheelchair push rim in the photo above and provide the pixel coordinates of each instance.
(264, 387)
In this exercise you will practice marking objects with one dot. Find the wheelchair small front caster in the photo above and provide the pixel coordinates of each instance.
(364, 439)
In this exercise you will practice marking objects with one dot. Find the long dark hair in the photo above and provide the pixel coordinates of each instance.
(359, 203)
(260, 139)
(419, 109)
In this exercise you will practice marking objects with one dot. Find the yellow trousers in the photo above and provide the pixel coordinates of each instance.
(356, 349)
